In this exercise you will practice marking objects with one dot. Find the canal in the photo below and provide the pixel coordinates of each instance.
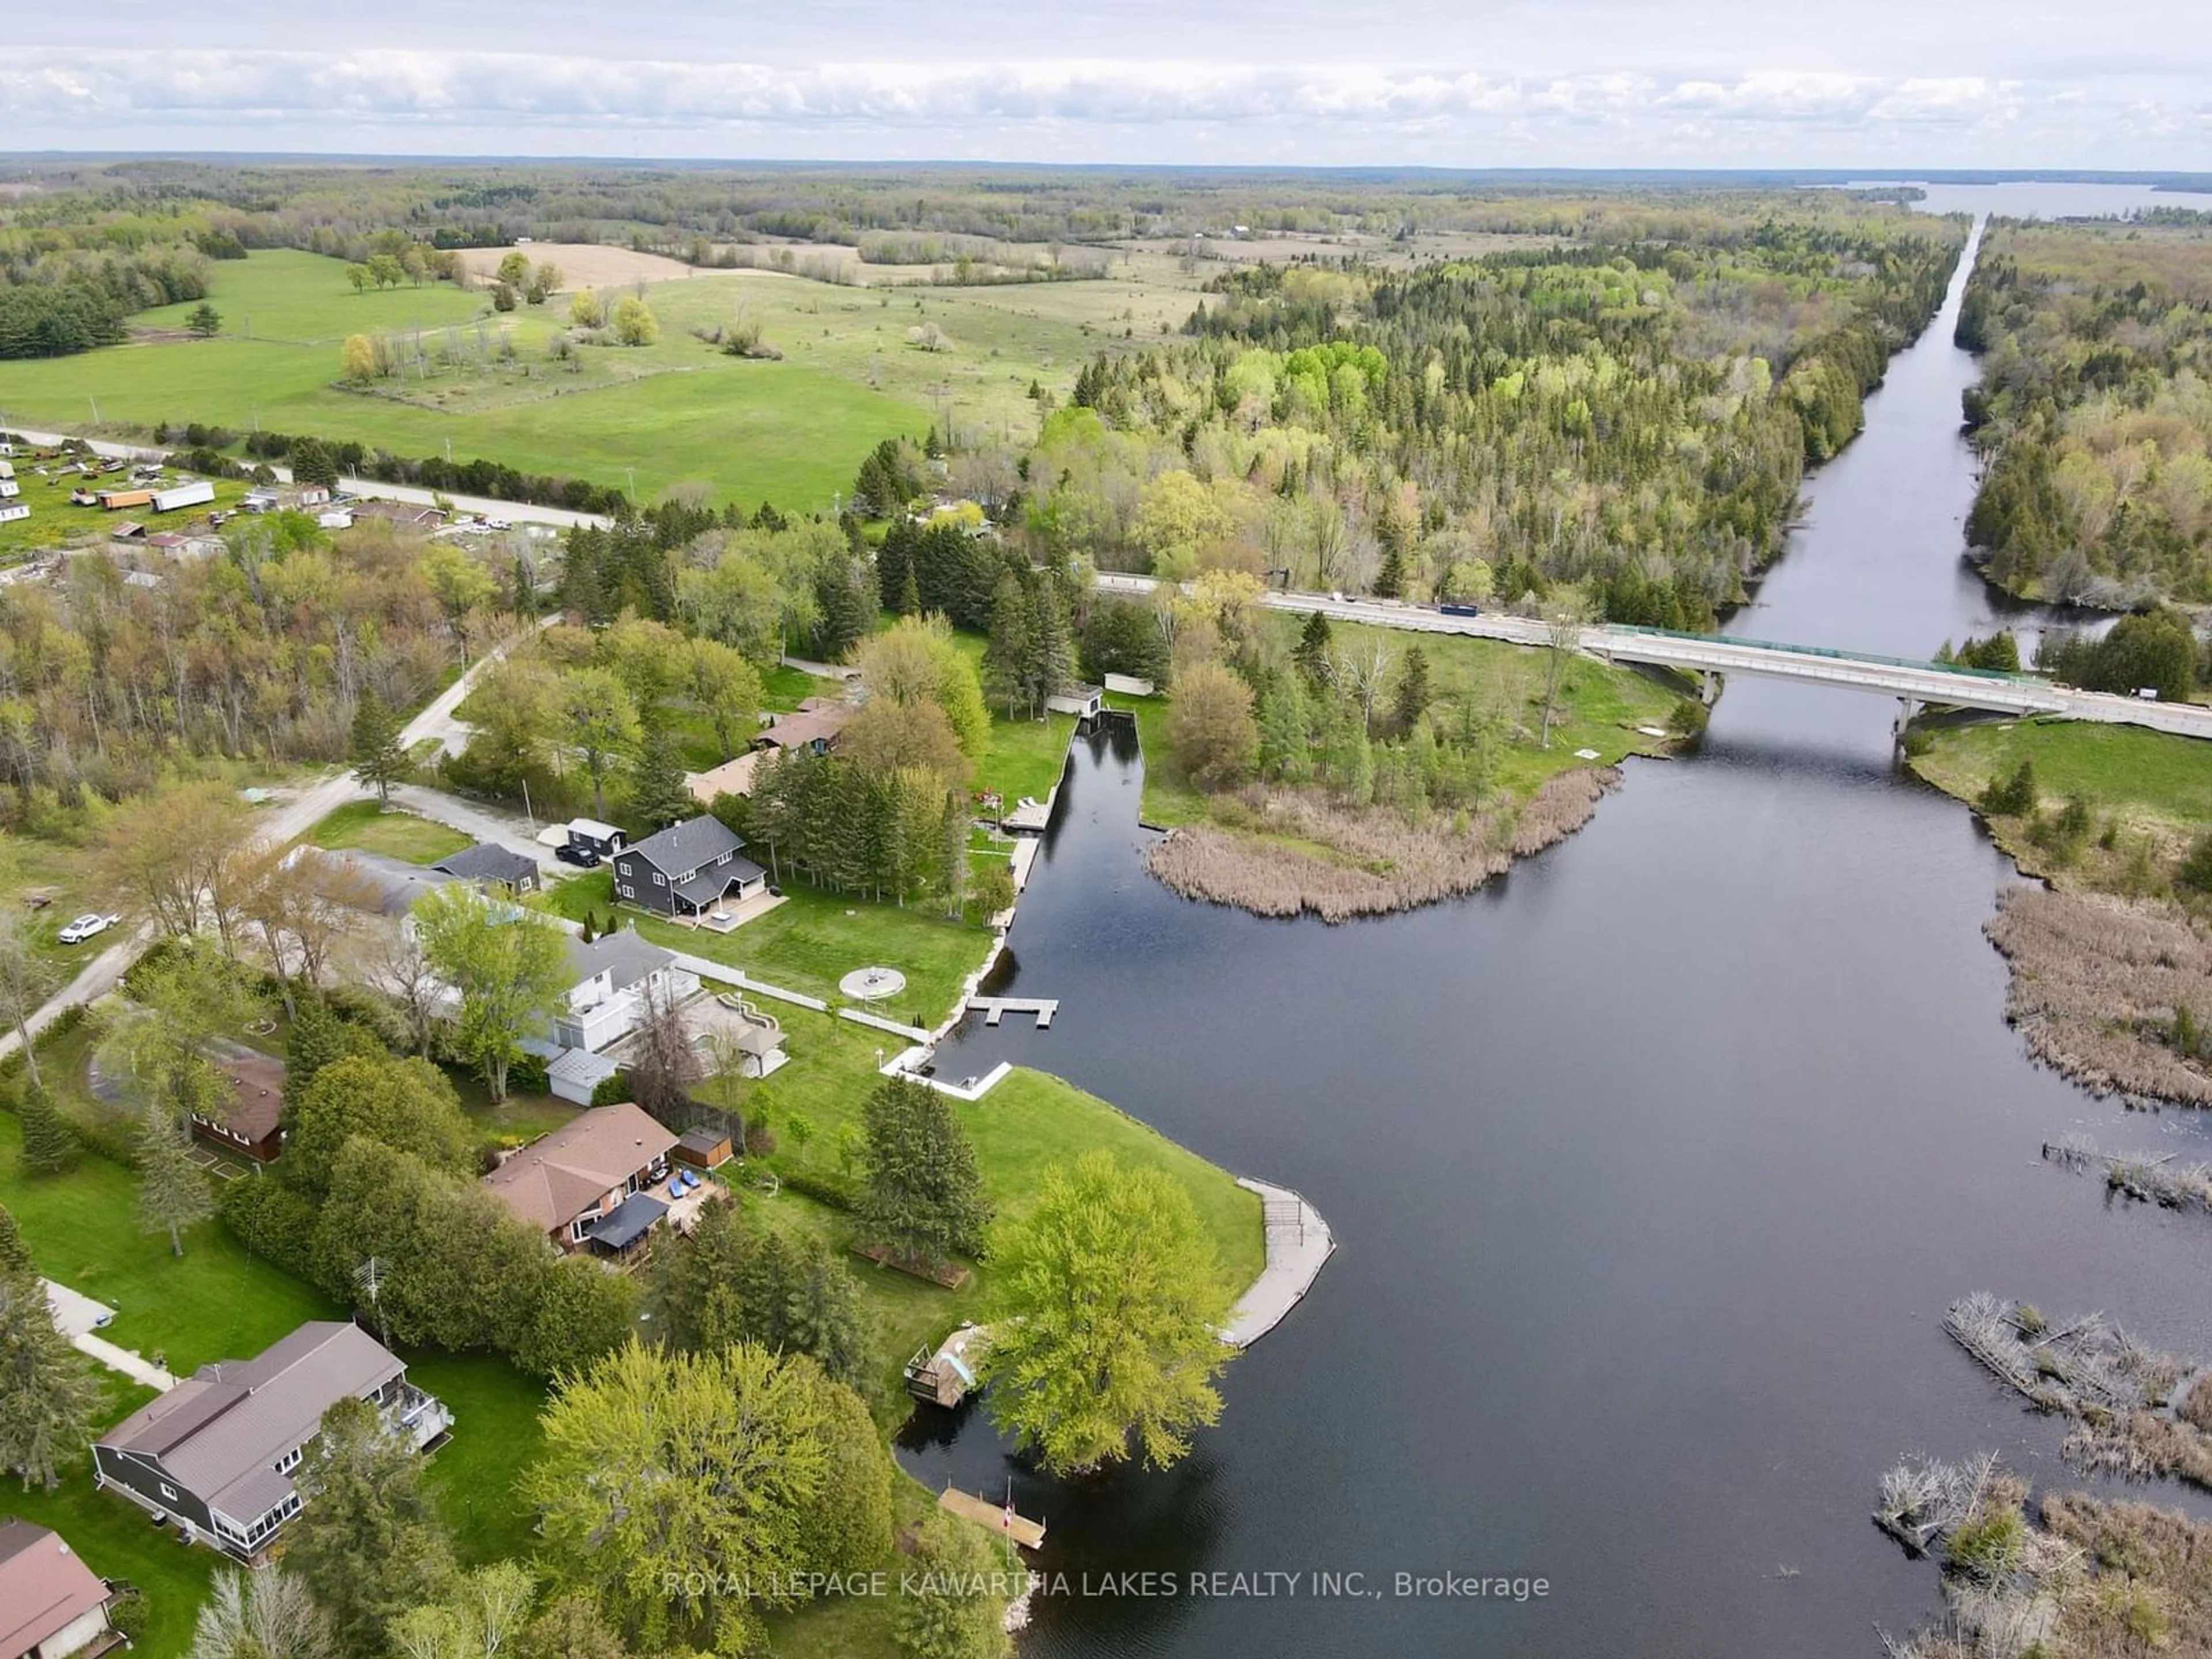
(1654, 1167)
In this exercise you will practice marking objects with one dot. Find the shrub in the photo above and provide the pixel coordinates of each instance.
(2195, 872)
(2014, 798)
(1989, 1545)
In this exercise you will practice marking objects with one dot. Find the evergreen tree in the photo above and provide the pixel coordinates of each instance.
(951, 1612)
(48, 1396)
(50, 1145)
(923, 1196)
(1051, 657)
(173, 1190)
(908, 603)
(1007, 654)
(1311, 651)
(1390, 578)
(659, 795)
(367, 1540)
(17, 1267)
(895, 569)
(380, 760)
(1412, 701)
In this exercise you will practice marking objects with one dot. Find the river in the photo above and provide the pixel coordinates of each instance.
(1654, 1167)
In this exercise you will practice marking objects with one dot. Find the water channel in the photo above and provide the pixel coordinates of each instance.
(1654, 1167)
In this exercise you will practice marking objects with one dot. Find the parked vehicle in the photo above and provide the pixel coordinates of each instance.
(584, 858)
(86, 927)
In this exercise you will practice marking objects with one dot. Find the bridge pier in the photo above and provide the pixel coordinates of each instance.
(1908, 710)
(1715, 683)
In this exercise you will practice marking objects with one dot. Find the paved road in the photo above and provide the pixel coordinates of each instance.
(373, 488)
(290, 817)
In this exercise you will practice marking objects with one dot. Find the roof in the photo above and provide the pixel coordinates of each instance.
(45, 1587)
(395, 883)
(254, 1102)
(817, 724)
(703, 1140)
(628, 1221)
(731, 777)
(594, 828)
(558, 1176)
(579, 1065)
(488, 862)
(219, 1432)
(687, 845)
(708, 885)
(625, 956)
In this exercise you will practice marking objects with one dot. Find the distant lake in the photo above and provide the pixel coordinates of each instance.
(2030, 200)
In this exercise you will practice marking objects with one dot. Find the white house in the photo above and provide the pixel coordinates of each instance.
(617, 977)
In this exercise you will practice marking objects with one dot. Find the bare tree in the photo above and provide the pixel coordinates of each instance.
(267, 1616)
(1363, 665)
(392, 959)
(663, 1062)
(1562, 633)
(26, 982)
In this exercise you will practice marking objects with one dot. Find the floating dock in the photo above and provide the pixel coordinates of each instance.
(999, 1517)
(994, 1009)
(944, 1377)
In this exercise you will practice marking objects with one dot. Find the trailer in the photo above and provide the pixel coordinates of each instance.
(197, 493)
(10, 490)
(7, 468)
(114, 501)
(11, 511)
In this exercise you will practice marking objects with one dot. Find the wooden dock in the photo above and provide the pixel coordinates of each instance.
(984, 1513)
(944, 1377)
(994, 1009)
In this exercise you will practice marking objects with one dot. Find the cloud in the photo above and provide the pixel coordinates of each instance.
(1186, 109)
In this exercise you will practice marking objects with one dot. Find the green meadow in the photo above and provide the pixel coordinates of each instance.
(791, 430)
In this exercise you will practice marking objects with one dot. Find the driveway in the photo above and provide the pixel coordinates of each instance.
(478, 821)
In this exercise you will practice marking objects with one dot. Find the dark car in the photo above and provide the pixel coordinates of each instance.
(582, 856)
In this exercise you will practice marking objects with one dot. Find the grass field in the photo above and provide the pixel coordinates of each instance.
(680, 411)
(361, 826)
(56, 521)
(2151, 779)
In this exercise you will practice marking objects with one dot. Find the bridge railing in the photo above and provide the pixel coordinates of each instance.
(1831, 652)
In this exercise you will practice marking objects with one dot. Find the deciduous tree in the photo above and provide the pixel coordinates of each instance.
(268, 1615)
(509, 968)
(1212, 736)
(954, 1608)
(405, 1104)
(26, 982)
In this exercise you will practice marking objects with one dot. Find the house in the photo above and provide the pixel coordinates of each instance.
(731, 777)
(490, 864)
(168, 542)
(52, 1605)
(406, 514)
(585, 1183)
(388, 885)
(596, 837)
(312, 496)
(616, 978)
(216, 1454)
(245, 1119)
(687, 870)
(813, 727)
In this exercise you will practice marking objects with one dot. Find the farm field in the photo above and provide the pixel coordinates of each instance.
(678, 412)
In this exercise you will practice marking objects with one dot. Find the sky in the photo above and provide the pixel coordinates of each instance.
(1878, 85)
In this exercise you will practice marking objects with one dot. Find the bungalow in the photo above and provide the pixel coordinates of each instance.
(687, 870)
(490, 864)
(245, 1119)
(616, 978)
(585, 1184)
(408, 515)
(731, 777)
(814, 727)
(388, 885)
(216, 1454)
(52, 1605)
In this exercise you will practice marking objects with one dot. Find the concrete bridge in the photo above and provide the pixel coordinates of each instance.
(1917, 684)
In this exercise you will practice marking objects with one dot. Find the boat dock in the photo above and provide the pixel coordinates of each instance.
(944, 1378)
(993, 1009)
(1299, 1244)
(1000, 1518)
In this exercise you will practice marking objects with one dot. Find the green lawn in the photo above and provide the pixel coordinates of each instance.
(2152, 779)
(814, 939)
(57, 521)
(495, 1437)
(360, 825)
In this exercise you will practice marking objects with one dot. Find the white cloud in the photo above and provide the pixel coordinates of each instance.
(1180, 109)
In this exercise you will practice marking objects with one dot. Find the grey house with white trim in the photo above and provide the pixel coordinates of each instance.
(218, 1453)
(687, 870)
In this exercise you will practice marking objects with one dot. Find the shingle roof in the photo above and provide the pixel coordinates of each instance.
(488, 862)
(396, 883)
(687, 845)
(708, 885)
(219, 1432)
(554, 1178)
(626, 956)
(45, 1587)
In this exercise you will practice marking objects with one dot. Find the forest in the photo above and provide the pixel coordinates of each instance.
(2094, 411)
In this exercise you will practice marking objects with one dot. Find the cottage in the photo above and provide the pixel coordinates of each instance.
(388, 885)
(687, 870)
(617, 978)
(814, 727)
(245, 1119)
(216, 1454)
(407, 515)
(490, 864)
(585, 1183)
(52, 1605)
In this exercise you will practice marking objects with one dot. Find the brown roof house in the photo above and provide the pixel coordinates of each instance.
(814, 726)
(587, 1184)
(216, 1454)
(52, 1605)
(245, 1119)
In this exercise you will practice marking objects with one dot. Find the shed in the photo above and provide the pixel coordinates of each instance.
(128, 531)
(703, 1149)
(1083, 701)
(576, 1073)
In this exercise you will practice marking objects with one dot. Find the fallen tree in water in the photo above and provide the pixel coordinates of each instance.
(2160, 1180)
(1301, 853)
(2112, 992)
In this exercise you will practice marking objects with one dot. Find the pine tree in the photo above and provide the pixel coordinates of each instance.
(50, 1145)
(924, 1197)
(1052, 646)
(173, 1192)
(1413, 697)
(1006, 655)
(909, 595)
(48, 1393)
(658, 794)
(1311, 651)
(380, 760)
(1390, 579)
(17, 1267)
